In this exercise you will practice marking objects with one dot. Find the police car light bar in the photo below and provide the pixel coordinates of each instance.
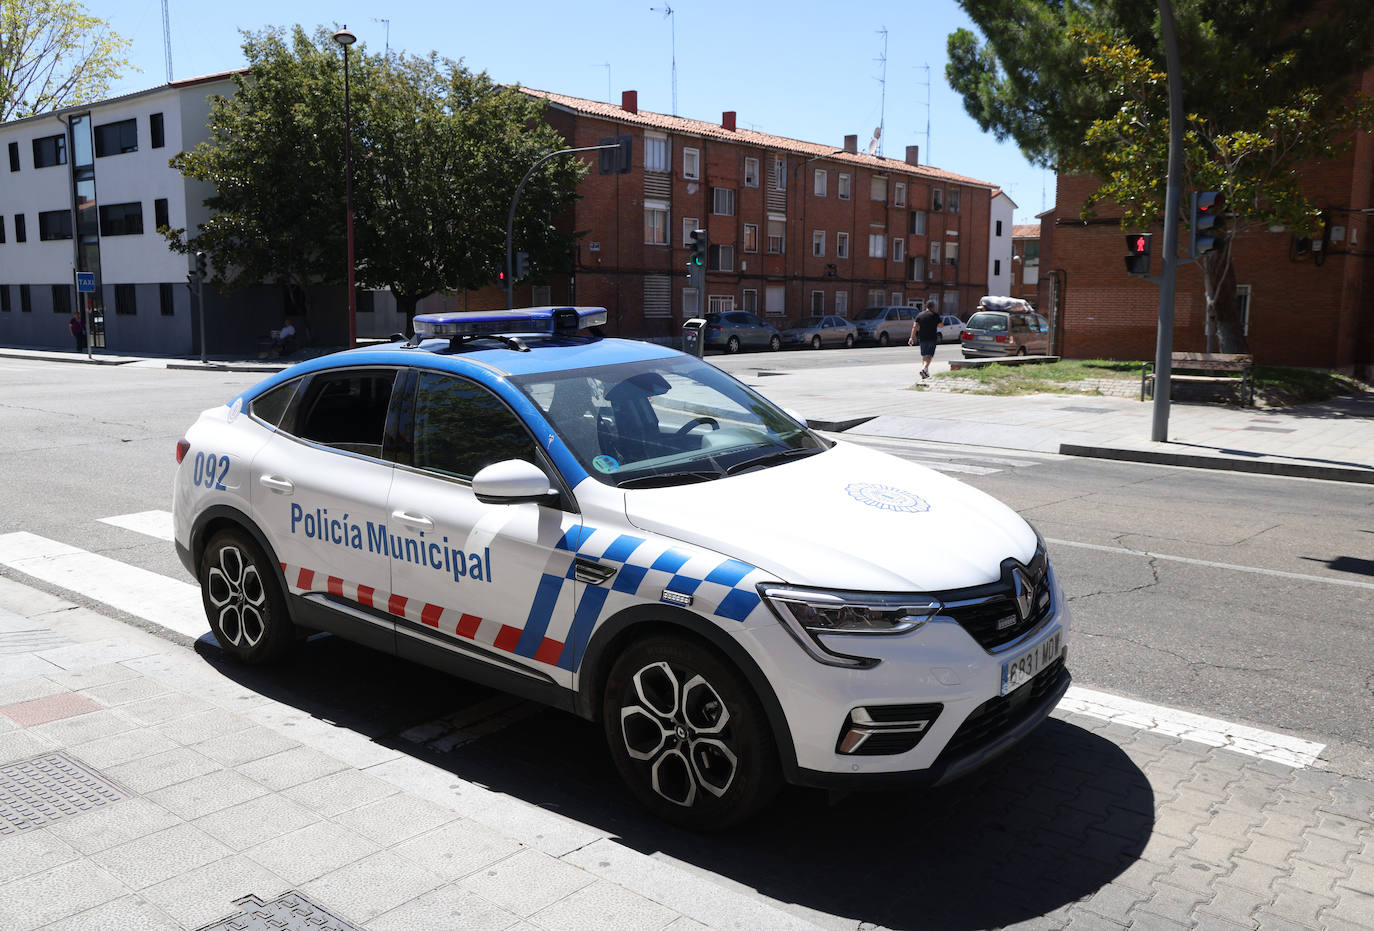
(502, 322)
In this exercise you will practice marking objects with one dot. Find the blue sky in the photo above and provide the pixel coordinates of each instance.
(803, 69)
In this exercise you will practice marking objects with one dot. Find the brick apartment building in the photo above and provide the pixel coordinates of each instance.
(1305, 303)
(1025, 262)
(795, 227)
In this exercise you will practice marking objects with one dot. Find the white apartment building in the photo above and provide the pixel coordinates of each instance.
(999, 243)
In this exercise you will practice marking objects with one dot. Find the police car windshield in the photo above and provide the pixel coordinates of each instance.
(663, 421)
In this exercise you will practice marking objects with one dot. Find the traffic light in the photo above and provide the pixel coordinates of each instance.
(522, 265)
(200, 265)
(699, 245)
(1205, 222)
(1138, 253)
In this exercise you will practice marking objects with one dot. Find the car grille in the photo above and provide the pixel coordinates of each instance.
(997, 716)
(989, 613)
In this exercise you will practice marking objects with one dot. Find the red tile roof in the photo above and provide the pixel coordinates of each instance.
(681, 124)
(1025, 231)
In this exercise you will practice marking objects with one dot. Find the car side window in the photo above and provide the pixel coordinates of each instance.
(461, 427)
(347, 410)
(270, 406)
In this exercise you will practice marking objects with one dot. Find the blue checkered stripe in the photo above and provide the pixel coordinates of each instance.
(646, 566)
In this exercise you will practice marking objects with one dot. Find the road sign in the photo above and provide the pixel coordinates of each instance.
(85, 282)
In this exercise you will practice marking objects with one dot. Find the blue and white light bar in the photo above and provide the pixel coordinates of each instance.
(523, 320)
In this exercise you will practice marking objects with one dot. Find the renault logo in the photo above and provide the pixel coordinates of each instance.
(1023, 593)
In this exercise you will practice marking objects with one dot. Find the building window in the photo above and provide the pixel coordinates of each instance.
(896, 299)
(54, 224)
(917, 227)
(750, 300)
(818, 242)
(690, 307)
(751, 172)
(723, 201)
(25, 300)
(155, 131)
(999, 228)
(898, 248)
(776, 241)
(688, 224)
(935, 253)
(116, 138)
(997, 266)
(720, 303)
(14, 156)
(842, 187)
(126, 299)
(899, 194)
(949, 303)
(658, 296)
(877, 245)
(4, 298)
(1030, 250)
(841, 302)
(951, 253)
(160, 217)
(655, 152)
(50, 151)
(779, 173)
(916, 268)
(62, 299)
(876, 297)
(842, 245)
(121, 219)
(751, 237)
(877, 188)
(822, 176)
(817, 303)
(21, 233)
(691, 164)
(655, 223)
(953, 205)
(775, 300)
(720, 258)
(165, 300)
(937, 199)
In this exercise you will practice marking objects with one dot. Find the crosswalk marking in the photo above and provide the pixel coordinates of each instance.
(954, 459)
(166, 602)
(152, 523)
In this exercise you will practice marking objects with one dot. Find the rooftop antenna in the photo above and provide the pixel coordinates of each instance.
(607, 66)
(387, 24)
(167, 40)
(667, 11)
(882, 106)
(925, 150)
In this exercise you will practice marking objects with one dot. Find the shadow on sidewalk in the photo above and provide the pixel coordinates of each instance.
(1250, 454)
(1053, 821)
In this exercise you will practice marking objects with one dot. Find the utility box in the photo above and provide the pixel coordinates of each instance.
(694, 337)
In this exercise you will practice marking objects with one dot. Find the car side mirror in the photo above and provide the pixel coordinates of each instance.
(512, 481)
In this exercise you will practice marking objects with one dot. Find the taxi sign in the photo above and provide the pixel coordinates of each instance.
(522, 320)
(85, 282)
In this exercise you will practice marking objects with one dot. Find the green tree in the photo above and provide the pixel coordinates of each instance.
(1267, 86)
(53, 54)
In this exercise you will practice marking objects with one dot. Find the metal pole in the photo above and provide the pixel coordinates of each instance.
(1164, 345)
(348, 201)
(200, 300)
(90, 337)
(515, 200)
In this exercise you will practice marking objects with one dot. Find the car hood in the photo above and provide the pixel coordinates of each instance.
(849, 518)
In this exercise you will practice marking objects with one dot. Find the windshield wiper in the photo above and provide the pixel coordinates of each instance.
(781, 455)
(670, 478)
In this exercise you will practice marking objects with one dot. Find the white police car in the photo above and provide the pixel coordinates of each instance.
(612, 527)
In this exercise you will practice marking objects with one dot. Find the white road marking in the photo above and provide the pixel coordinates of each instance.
(1291, 751)
(166, 602)
(1278, 573)
(152, 523)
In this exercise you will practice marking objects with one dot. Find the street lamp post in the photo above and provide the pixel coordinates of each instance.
(346, 38)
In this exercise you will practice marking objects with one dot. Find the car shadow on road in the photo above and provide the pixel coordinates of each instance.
(1049, 823)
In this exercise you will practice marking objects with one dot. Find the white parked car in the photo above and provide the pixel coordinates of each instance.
(611, 527)
(950, 328)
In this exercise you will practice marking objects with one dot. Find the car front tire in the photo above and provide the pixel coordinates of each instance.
(849, 341)
(774, 342)
(732, 345)
(688, 735)
(243, 602)
(882, 338)
(815, 342)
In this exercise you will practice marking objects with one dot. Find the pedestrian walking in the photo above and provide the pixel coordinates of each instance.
(926, 331)
(78, 328)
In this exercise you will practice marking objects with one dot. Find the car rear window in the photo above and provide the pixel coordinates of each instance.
(987, 321)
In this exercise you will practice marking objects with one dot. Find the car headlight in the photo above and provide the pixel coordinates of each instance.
(810, 613)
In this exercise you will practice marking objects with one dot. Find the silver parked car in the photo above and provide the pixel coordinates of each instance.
(733, 330)
(816, 332)
(1005, 327)
(884, 325)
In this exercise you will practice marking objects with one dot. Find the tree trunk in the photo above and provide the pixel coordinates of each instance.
(1225, 328)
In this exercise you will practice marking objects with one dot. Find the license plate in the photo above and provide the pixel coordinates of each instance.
(1019, 670)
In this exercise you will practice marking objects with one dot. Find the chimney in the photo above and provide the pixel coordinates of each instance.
(629, 101)
(913, 155)
(851, 144)
(727, 120)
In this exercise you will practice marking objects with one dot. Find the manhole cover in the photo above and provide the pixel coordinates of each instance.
(37, 792)
(290, 911)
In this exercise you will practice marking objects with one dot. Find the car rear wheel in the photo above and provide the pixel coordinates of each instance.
(815, 342)
(882, 338)
(774, 342)
(732, 344)
(243, 602)
(1021, 351)
(849, 341)
(687, 734)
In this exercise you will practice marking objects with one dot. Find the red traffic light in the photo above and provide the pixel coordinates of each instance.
(1139, 243)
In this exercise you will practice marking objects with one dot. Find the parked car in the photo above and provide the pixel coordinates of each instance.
(733, 330)
(1005, 326)
(817, 332)
(951, 328)
(883, 325)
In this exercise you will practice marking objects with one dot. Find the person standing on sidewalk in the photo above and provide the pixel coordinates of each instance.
(78, 329)
(926, 331)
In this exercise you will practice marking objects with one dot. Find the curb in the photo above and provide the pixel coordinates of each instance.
(1223, 463)
(70, 357)
(225, 367)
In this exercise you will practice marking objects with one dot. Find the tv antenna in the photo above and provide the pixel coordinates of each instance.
(387, 24)
(167, 40)
(882, 99)
(926, 150)
(667, 11)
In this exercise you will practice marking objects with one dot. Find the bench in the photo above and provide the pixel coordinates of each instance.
(1209, 362)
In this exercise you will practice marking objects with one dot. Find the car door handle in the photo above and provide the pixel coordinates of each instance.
(280, 486)
(413, 520)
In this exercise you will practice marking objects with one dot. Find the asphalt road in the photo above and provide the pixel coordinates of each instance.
(1257, 605)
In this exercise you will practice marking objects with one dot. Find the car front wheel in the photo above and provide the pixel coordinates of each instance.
(243, 602)
(774, 342)
(882, 338)
(815, 342)
(688, 735)
(732, 345)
